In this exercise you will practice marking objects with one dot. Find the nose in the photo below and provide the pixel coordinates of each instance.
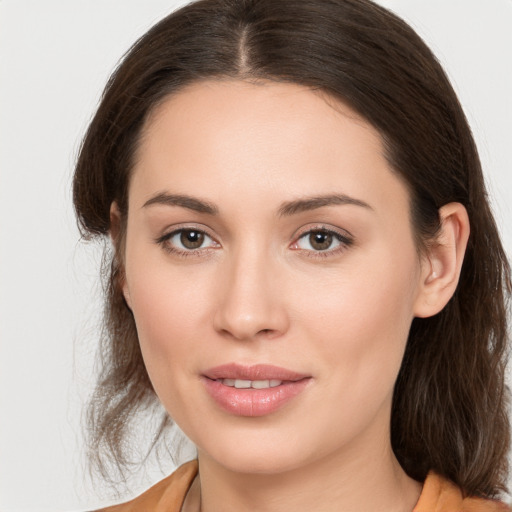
(251, 300)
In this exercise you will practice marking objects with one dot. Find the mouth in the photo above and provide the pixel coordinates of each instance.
(253, 390)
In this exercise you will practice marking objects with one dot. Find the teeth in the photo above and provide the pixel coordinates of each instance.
(241, 384)
(255, 384)
(260, 384)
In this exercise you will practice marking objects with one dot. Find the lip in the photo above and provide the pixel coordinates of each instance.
(253, 372)
(253, 402)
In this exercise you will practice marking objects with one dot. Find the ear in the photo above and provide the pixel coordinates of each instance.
(115, 236)
(443, 262)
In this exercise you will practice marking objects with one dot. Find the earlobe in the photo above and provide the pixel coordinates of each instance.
(442, 265)
(115, 236)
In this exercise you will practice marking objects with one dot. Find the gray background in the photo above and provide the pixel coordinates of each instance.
(55, 57)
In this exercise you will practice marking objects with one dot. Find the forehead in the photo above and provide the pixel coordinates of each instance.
(238, 111)
(240, 138)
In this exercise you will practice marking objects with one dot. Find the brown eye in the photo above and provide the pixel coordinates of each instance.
(191, 239)
(188, 241)
(323, 241)
(320, 240)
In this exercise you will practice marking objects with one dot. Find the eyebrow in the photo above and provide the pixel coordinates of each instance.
(185, 201)
(312, 203)
(285, 210)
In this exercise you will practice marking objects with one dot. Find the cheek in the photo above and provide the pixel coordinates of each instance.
(169, 312)
(169, 317)
(165, 304)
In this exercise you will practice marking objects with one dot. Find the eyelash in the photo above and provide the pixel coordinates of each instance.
(345, 241)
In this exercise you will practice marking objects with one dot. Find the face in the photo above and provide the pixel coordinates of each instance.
(272, 273)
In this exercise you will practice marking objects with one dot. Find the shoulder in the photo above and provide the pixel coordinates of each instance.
(441, 495)
(165, 496)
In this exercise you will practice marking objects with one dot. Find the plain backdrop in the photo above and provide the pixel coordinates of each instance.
(55, 56)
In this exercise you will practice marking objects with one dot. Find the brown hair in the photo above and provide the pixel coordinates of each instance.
(449, 410)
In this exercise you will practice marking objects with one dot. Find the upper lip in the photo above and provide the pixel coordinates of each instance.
(253, 372)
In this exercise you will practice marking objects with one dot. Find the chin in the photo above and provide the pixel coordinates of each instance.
(258, 462)
(257, 452)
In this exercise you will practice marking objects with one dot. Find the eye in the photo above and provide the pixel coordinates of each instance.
(322, 240)
(187, 240)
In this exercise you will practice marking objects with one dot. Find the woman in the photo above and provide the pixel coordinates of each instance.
(306, 272)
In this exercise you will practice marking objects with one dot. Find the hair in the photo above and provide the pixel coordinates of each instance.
(449, 411)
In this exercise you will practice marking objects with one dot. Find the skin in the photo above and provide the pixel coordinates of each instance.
(257, 291)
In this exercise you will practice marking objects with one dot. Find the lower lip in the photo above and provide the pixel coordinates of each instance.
(253, 402)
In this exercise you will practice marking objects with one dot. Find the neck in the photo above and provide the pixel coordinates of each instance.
(361, 478)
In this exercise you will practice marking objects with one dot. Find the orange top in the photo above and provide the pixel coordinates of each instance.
(438, 495)
(441, 495)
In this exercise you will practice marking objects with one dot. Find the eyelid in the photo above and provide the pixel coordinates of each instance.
(304, 230)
